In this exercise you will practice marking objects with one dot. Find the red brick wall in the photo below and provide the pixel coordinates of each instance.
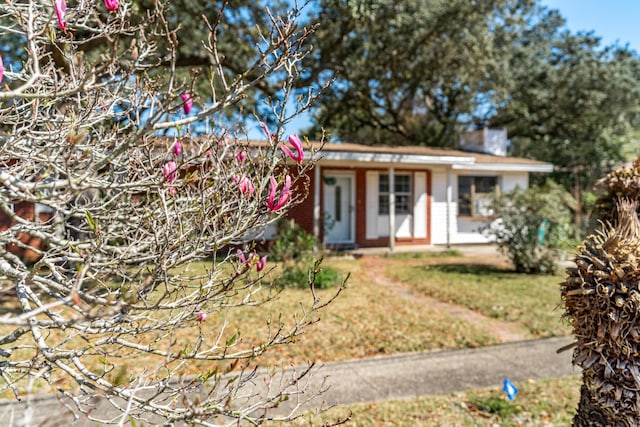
(302, 213)
(25, 210)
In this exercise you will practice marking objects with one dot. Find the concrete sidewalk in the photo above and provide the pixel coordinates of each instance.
(380, 378)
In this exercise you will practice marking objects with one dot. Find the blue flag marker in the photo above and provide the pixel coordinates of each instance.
(510, 389)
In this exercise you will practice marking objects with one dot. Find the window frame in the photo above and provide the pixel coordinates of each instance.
(474, 195)
(383, 196)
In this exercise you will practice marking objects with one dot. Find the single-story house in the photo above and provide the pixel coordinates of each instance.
(361, 195)
(440, 195)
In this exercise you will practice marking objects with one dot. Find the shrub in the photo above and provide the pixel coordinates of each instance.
(533, 226)
(291, 243)
(298, 275)
(294, 248)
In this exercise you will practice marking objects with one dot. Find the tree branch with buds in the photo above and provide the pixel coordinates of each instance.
(118, 242)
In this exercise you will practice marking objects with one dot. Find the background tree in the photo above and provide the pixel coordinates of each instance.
(122, 215)
(406, 72)
(570, 102)
(421, 72)
(238, 36)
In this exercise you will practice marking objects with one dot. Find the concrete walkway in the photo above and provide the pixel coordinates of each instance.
(381, 378)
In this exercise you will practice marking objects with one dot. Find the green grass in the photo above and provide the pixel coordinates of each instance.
(426, 255)
(548, 403)
(532, 301)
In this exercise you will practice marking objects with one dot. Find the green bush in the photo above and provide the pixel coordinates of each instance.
(533, 226)
(294, 248)
(291, 243)
(298, 275)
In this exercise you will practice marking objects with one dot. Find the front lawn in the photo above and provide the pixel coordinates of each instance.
(548, 403)
(380, 312)
(369, 319)
(365, 320)
(532, 301)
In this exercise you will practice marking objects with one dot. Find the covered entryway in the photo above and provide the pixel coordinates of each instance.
(339, 212)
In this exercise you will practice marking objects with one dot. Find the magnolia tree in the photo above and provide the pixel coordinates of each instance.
(137, 241)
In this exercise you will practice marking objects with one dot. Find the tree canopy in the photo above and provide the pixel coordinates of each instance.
(235, 27)
(421, 72)
(405, 73)
(570, 101)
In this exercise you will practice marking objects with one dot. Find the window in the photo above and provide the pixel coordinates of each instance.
(474, 194)
(402, 189)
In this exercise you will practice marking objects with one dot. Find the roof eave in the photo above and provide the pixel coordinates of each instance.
(507, 167)
(395, 158)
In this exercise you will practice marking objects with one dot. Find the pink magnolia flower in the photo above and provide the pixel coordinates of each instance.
(60, 6)
(112, 5)
(262, 262)
(187, 102)
(245, 185)
(241, 156)
(265, 129)
(177, 148)
(1, 70)
(295, 142)
(241, 257)
(285, 194)
(169, 171)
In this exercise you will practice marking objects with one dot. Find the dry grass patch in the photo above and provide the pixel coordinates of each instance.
(366, 320)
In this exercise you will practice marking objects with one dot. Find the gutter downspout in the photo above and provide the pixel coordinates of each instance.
(392, 210)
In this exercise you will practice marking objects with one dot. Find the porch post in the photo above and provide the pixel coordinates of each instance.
(317, 183)
(392, 210)
(449, 200)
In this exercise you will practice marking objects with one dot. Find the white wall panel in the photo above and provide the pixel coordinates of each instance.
(420, 205)
(372, 205)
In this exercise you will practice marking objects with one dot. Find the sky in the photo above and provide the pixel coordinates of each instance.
(616, 21)
(613, 20)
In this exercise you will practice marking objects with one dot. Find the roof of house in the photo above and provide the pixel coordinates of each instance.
(418, 155)
(458, 159)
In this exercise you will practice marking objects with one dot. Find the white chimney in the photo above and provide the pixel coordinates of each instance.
(488, 141)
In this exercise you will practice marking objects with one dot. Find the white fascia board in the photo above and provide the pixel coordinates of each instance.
(395, 158)
(505, 167)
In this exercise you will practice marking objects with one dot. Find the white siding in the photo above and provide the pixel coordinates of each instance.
(462, 230)
(510, 181)
(403, 226)
(469, 231)
(407, 226)
(420, 205)
(439, 208)
(372, 205)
